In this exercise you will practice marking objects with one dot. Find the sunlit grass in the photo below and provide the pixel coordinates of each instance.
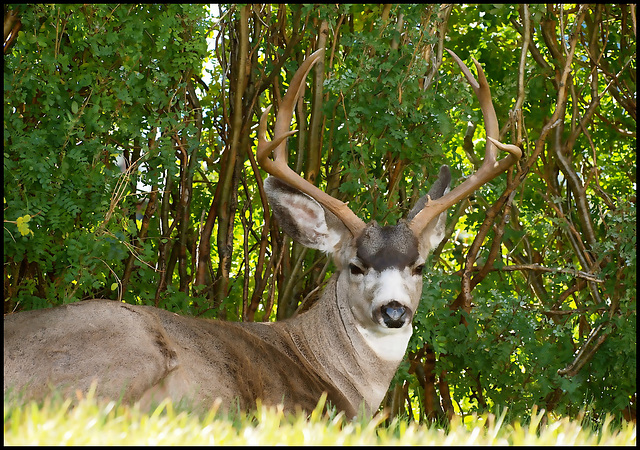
(91, 422)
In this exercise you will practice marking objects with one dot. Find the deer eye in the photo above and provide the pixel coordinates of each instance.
(418, 270)
(355, 270)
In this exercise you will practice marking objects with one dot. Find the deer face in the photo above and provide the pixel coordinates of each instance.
(380, 269)
(384, 277)
(381, 275)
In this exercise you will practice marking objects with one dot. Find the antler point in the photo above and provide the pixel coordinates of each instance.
(511, 148)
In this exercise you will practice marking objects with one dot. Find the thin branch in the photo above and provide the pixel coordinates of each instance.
(539, 268)
(583, 355)
(517, 109)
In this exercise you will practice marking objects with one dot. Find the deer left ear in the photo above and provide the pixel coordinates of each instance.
(433, 233)
(303, 218)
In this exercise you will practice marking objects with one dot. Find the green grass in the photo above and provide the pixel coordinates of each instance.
(91, 422)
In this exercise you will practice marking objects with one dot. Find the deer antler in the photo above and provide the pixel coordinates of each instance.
(490, 168)
(278, 166)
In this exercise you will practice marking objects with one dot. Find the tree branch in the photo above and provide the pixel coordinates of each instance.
(538, 268)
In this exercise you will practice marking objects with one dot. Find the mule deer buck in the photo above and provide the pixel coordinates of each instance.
(349, 344)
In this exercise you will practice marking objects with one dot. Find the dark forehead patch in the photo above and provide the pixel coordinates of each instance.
(385, 247)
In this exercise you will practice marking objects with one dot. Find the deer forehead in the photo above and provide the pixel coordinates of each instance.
(387, 247)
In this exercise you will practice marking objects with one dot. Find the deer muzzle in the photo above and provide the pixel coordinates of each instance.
(394, 314)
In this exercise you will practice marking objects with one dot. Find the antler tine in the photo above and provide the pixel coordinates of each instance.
(279, 168)
(490, 168)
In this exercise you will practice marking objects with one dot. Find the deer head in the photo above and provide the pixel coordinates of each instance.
(379, 268)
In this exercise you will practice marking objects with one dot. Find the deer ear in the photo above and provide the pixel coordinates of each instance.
(303, 218)
(433, 233)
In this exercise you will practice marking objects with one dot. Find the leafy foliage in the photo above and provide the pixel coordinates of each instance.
(89, 91)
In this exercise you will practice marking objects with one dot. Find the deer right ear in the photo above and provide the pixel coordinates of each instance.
(432, 234)
(303, 218)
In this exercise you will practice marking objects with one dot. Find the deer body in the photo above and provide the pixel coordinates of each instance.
(239, 363)
(341, 345)
(349, 344)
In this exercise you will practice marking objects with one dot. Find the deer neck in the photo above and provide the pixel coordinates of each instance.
(328, 336)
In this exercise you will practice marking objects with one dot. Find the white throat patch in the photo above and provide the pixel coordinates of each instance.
(389, 345)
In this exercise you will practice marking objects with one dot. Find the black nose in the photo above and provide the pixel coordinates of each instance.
(393, 314)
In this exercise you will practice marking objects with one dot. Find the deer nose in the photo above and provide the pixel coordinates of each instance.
(393, 314)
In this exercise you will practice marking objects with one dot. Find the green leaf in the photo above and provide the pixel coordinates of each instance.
(23, 224)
